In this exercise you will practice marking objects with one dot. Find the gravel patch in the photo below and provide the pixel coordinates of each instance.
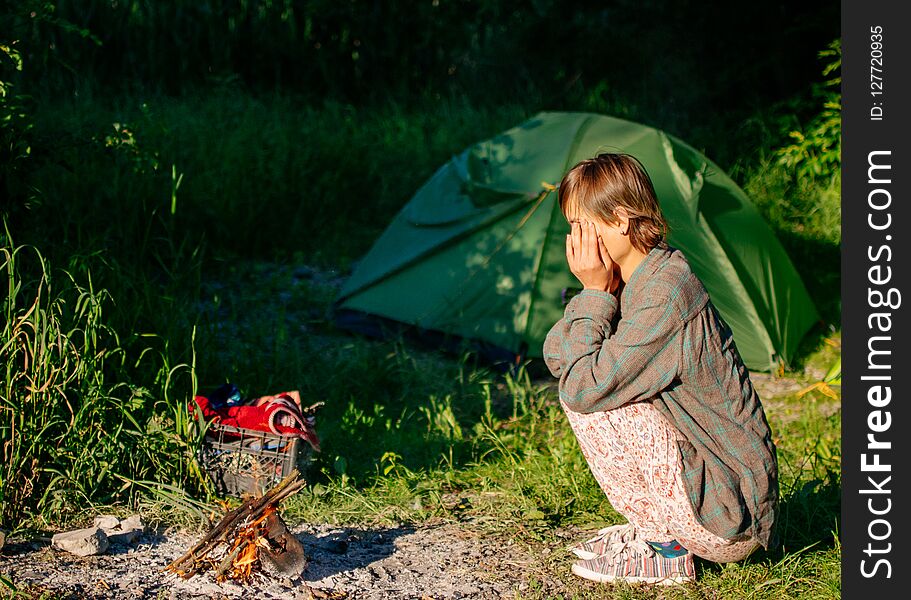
(441, 562)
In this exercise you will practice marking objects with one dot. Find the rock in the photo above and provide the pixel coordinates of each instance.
(120, 532)
(2, 539)
(283, 552)
(106, 522)
(124, 538)
(82, 542)
(133, 522)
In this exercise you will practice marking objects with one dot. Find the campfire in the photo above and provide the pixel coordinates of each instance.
(248, 539)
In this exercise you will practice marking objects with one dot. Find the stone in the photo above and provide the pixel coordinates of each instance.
(283, 552)
(122, 532)
(82, 542)
(106, 522)
(124, 538)
(133, 522)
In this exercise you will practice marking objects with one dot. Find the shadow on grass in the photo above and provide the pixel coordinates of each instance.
(808, 523)
(810, 516)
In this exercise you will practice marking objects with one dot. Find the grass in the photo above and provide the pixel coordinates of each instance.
(166, 256)
(440, 439)
(261, 176)
(75, 431)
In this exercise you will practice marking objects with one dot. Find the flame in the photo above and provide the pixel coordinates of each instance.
(248, 539)
(244, 548)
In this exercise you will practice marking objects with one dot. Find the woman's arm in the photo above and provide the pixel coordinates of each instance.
(587, 315)
(600, 369)
(590, 262)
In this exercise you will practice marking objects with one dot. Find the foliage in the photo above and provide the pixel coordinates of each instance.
(797, 188)
(816, 151)
(15, 124)
(359, 49)
(74, 429)
(261, 177)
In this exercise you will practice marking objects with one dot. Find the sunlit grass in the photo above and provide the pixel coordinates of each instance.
(441, 440)
(76, 431)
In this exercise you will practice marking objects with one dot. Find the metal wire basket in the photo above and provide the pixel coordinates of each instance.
(246, 461)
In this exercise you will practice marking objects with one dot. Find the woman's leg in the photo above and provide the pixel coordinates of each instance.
(613, 443)
(632, 452)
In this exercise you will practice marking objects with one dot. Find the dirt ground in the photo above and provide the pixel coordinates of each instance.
(448, 560)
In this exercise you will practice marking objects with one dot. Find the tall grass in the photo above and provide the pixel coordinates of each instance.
(274, 176)
(76, 428)
(261, 177)
(806, 217)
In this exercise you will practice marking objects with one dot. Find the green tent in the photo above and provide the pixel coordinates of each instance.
(479, 251)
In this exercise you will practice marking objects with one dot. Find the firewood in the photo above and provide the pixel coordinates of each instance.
(283, 552)
(225, 566)
(239, 528)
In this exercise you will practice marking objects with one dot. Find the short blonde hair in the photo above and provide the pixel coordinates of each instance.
(599, 186)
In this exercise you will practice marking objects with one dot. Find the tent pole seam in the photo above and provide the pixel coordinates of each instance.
(589, 119)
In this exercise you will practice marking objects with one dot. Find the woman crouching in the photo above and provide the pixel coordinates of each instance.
(655, 391)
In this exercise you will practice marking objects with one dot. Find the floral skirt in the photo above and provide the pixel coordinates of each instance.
(632, 452)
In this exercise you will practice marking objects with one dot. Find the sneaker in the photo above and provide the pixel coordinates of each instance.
(599, 544)
(635, 561)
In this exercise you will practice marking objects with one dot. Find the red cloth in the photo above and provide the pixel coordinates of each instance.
(263, 416)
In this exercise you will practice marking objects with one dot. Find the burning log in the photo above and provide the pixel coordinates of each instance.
(235, 546)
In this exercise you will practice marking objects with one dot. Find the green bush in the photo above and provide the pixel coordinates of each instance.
(815, 153)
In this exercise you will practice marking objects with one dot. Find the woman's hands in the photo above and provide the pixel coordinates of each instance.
(589, 260)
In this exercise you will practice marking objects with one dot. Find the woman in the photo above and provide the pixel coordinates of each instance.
(655, 391)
